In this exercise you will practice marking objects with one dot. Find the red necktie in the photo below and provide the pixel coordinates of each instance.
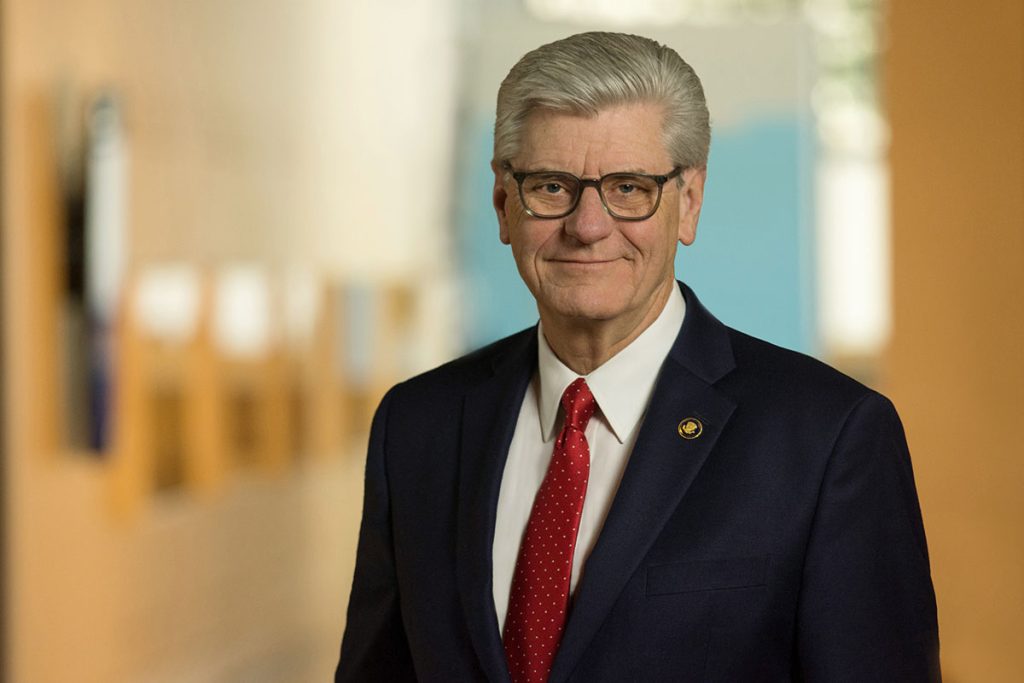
(539, 601)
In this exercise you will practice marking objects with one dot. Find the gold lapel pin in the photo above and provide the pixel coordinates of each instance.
(690, 428)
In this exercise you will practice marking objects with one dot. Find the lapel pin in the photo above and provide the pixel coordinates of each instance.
(690, 428)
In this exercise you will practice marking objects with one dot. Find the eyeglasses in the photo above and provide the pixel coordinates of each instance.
(626, 196)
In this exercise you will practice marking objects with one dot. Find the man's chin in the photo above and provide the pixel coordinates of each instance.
(587, 307)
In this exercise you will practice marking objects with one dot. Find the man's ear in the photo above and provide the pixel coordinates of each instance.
(499, 196)
(691, 199)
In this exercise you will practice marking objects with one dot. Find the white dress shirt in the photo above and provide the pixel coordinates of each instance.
(622, 387)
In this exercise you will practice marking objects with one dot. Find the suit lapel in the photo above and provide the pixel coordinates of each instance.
(660, 470)
(490, 412)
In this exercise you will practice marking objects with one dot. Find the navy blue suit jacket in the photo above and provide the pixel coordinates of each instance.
(784, 543)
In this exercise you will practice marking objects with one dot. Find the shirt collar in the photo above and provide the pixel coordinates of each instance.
(623, 385)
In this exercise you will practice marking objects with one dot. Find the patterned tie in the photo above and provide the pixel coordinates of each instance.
(539, 600)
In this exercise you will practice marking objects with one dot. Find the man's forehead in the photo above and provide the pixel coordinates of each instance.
(619, 138)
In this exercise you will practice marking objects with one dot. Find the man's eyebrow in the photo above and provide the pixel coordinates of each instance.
(636, 170)
(544, 169)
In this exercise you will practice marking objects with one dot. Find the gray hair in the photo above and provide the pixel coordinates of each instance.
(588, 72)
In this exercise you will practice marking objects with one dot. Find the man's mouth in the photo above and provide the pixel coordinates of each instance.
(582, 262)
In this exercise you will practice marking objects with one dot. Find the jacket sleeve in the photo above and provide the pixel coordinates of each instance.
(374, 647)
(867, 606)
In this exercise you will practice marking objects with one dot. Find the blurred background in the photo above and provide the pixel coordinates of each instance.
(228, 227)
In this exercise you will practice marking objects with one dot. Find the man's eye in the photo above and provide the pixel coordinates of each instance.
(630, 186)
(547, 186)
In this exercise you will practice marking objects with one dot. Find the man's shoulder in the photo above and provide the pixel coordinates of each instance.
(461, 373)
(777, 374)
(756, 371)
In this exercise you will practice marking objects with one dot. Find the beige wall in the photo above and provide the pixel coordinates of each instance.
(246, 144)
(955, 88)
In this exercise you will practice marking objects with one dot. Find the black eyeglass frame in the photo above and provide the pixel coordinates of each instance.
(584, 183)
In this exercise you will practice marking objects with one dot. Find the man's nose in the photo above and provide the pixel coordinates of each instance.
(589, 222)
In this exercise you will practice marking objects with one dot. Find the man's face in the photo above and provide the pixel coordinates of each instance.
(589, 266)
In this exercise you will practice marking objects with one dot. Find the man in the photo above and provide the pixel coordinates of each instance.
(630, 491)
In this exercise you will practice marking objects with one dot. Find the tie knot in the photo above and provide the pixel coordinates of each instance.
(578, 403)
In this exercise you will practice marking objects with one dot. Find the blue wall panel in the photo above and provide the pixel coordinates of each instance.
(751, 262)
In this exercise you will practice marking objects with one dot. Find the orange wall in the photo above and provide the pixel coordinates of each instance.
(955, 89)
